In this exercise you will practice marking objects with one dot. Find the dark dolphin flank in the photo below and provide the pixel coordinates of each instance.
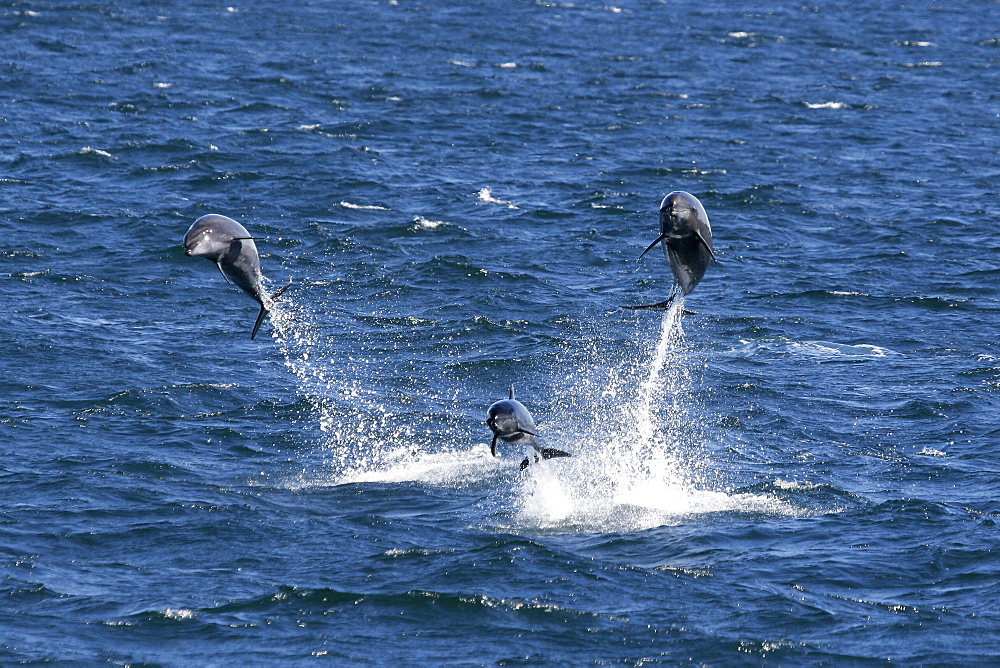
(803, 473)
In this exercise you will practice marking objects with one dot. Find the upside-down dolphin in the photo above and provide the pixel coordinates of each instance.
(511, 422)
(687, 244)
(228, 244)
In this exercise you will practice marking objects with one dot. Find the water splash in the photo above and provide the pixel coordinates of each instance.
(625, 409)
(633, 427)
(332, 394)
(366, 432)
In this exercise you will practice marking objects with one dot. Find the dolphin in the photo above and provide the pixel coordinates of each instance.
(511, 422)
(687, 244)
(228, 244)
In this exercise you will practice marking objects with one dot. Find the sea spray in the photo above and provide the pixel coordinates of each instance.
(337, 399)
(366, 431)
(626, 416)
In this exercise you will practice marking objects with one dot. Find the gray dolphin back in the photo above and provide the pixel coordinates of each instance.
(230, 246)
(686, 236)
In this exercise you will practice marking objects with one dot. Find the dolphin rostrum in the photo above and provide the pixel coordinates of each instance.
(228, 244)
(687, 243)
(511, 422)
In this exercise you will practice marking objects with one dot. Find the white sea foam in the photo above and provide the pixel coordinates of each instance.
(437, 468)
(97, 151)
(795, 485)
(820, 350)
(363, 207)
(179, 613)
(830, 350)
(422, 223)
(826, 105)
(486, 197)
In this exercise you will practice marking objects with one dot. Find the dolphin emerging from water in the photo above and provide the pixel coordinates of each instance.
(511, 422)
(228, 244)
(687, 243)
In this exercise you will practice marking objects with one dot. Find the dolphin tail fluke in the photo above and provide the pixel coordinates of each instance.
(659, 306)
(547, 453)
(263, 309)
(260, 319)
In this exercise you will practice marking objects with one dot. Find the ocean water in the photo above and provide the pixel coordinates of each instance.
(803, 471)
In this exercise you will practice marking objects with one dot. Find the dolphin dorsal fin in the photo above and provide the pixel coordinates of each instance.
(511, 392)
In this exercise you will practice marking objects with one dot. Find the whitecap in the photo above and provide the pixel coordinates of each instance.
(363, 207)
(97, 151)
(486, 197)
(826, 105)
(420, 222)
(795, 485)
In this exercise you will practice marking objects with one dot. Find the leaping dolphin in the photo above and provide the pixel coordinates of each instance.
(228, 244)
(511, 422)
(687, 244)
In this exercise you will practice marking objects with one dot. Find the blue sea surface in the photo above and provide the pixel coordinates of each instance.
(798, 464)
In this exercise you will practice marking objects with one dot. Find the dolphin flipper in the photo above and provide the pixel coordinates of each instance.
(223, 272)
(650, 246)
(263, 309)
(705, 244)
(493, 445)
